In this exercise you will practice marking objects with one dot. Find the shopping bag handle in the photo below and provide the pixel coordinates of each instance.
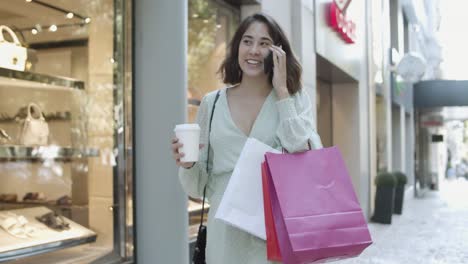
(309, 144)
(32, 107)
(11, 33)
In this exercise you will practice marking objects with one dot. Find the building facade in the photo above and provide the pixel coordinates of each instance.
(114, 77)
(335, 74)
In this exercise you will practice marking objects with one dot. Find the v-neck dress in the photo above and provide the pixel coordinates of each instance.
(286, 123)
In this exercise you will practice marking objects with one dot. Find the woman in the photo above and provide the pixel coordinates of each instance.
(267, 105)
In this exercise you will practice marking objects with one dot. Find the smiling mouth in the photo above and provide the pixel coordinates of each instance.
(253, 62)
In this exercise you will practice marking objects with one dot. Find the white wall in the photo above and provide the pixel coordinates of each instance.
(363, 102)
(348, 57)
(346, 130)
(387, 83)
(350, 100)
(303, 42)
(281, 11)
(324, 113)
(297, 20)
(160, 103)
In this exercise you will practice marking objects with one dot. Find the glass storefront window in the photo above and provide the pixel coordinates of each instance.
(211, 25)
(65, 131)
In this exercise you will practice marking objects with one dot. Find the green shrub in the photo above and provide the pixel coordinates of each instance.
(385, 179)
(400, 177)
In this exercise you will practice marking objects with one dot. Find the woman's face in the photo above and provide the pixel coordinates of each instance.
(253, 48)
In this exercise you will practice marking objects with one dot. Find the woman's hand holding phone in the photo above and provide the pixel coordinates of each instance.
(279, 72)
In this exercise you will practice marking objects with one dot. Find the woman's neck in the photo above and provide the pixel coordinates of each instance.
(255, 85)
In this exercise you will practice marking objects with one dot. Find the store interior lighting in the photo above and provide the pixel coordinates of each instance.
(53, 28)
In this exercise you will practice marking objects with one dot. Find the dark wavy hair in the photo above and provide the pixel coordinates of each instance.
(230, 70)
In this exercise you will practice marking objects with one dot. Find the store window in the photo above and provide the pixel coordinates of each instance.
(211, 26)
(65, 131)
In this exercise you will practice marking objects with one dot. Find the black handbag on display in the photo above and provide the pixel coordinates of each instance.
(199, 254)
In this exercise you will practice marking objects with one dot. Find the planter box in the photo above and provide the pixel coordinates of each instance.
(384, 199)
(399, 197)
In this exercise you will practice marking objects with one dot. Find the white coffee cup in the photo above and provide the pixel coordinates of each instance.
(189, 136)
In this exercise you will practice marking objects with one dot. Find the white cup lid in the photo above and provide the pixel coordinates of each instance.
(187, 127)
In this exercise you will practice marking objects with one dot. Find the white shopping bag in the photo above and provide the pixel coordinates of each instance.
(242, 202)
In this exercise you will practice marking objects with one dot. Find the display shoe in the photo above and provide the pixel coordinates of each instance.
(13, 224)
(29, 196)
(34, 196)
(18, 225)
(8, 197)
(32, 231)
(54, 221)
(64, 200)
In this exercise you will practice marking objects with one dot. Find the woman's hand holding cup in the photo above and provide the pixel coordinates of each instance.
(185, 146)
(176, 145)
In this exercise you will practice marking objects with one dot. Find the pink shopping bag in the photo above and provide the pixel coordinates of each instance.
(273, 251)
(316, 213)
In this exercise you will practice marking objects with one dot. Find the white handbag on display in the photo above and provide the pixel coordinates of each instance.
(12, 54)
(34, 129)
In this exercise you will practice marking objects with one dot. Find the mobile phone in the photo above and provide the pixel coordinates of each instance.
(268, 63)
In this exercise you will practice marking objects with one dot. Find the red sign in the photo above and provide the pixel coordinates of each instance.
(338, 21)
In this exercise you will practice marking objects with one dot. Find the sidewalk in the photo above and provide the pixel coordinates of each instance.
(431, 230)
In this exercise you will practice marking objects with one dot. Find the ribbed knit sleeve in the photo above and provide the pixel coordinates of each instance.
(297, 125)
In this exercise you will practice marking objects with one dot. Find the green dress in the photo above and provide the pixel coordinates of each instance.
(284, 123)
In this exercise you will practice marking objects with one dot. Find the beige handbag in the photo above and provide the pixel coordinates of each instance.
(34, 129)
(12, 54)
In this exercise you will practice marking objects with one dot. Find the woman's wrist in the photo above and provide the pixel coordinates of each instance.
(282, 93)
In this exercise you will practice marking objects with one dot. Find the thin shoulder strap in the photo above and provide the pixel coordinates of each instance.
(208, 155)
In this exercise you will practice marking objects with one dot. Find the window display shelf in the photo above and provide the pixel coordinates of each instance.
(49, 117)
(50, 204)
(44, 239)
(6, 75)
(16, 152)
